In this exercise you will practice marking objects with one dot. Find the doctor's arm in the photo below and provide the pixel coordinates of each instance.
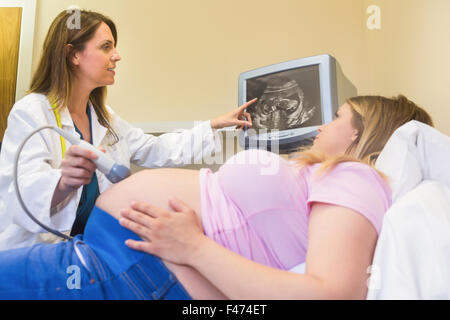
(175, 149)
(234, 118)
(341, 243)
(38, 172)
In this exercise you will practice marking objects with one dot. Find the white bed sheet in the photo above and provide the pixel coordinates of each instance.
(412, 257)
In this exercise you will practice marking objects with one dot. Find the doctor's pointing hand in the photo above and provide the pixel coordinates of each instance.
(59, 182)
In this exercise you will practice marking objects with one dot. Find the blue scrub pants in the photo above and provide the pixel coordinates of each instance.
(96, 265)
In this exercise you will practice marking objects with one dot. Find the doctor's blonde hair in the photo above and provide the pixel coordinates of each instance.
(375, 118)
(55, 72)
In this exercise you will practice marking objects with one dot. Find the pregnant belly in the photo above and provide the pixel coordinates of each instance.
(155, 186)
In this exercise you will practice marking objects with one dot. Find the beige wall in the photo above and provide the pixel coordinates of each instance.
(411, 54)
(181, 59)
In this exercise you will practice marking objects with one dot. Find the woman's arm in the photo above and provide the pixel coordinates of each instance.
(340, 249)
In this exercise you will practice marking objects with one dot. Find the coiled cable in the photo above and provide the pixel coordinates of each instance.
(16, 185)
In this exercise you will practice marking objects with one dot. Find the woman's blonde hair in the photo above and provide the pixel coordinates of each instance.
(375, 118)
(55, 72)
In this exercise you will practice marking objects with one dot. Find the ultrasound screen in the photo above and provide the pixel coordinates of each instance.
(286, 100)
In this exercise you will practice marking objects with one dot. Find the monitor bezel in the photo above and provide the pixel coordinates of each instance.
(328, 84)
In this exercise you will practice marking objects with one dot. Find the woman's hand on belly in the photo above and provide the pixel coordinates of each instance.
(172, 235)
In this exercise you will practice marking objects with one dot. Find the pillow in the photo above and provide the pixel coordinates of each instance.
(412, 254)
(415, 152)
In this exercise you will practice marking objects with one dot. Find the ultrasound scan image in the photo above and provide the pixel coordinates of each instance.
(286, 100)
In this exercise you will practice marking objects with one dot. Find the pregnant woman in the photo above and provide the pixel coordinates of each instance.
(244, 227)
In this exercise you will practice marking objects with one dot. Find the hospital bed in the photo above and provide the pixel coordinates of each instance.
(412, 256)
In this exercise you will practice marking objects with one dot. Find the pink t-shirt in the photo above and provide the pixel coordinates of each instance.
(258, 204)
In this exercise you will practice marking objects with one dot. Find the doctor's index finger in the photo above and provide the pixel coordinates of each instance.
(244, 106)
(248, 103)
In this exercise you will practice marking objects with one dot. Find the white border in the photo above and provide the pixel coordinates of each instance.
(26, 43)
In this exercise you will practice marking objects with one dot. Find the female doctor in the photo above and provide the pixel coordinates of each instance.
(59, 182)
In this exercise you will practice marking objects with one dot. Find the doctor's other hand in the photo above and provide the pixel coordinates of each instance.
(234, 118)
(174, 236)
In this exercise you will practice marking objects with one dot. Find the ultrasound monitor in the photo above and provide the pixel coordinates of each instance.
(294, 99)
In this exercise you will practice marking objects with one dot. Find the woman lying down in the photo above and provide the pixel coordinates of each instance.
(235, 233)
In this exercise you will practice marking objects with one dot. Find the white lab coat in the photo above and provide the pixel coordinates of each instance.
(40, 161)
